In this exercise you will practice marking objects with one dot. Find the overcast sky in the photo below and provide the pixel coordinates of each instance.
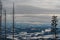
(32, 11)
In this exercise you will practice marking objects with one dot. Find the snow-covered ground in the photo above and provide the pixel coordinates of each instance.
(11, 37)
(44, 36)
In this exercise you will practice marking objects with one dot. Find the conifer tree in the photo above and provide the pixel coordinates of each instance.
(54, 26)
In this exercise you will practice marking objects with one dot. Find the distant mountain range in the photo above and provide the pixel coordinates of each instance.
(26, 25)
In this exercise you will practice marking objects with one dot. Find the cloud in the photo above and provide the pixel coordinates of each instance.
(32, 11)
(47, 4)
(32, 18)
(24, 9)
(43, 4)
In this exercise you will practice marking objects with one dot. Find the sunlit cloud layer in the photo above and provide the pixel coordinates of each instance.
(32, 18)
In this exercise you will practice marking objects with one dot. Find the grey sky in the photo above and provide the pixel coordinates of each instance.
(33, 11)
(48, 4)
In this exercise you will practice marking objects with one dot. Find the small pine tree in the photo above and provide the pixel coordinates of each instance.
(54, 26)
